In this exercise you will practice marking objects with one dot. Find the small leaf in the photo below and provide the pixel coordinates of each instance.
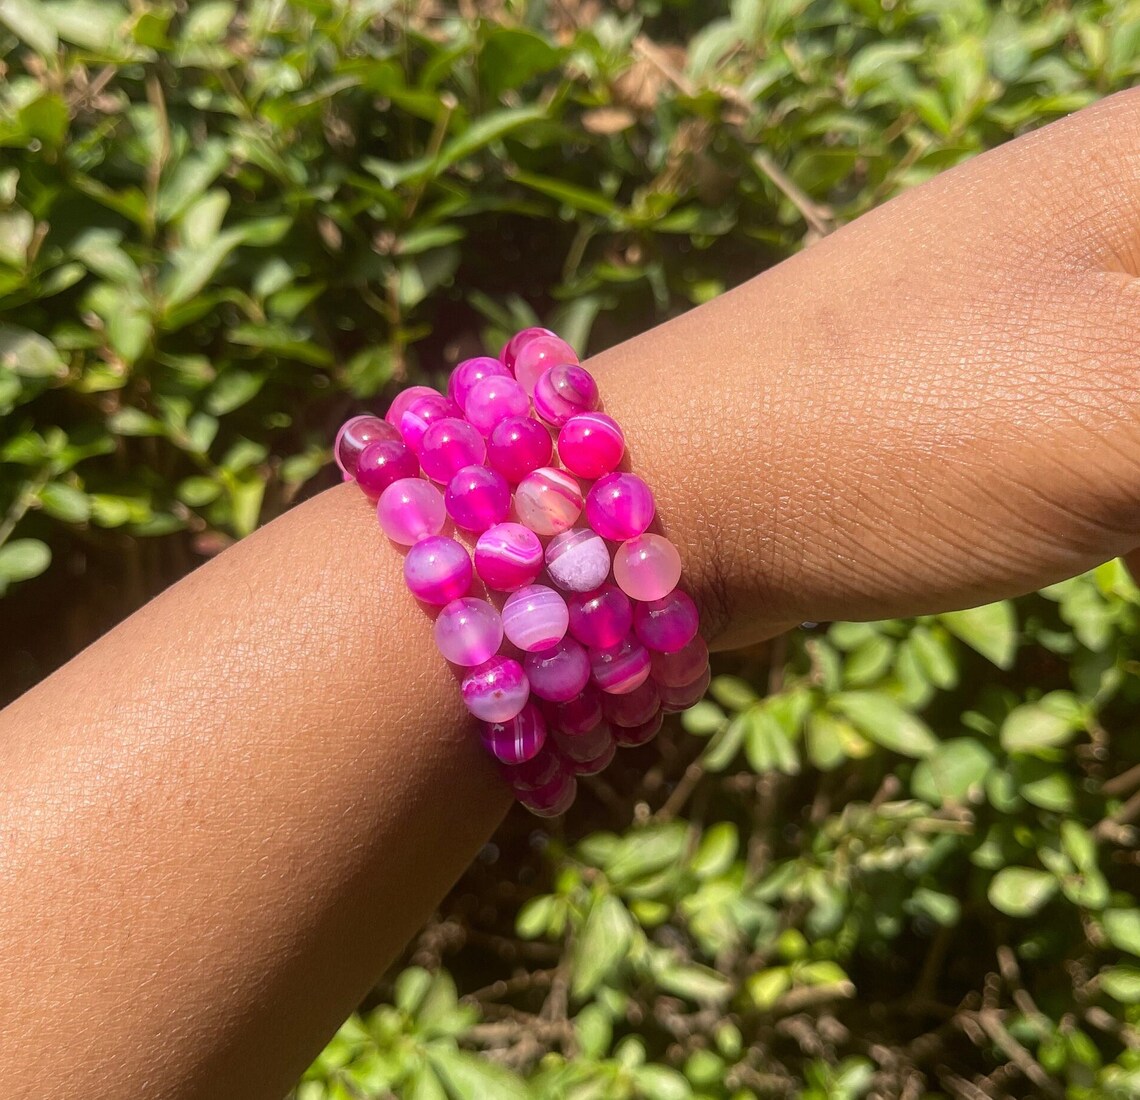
(65, 502)
(1032, 726)
(28, 354)
(717, 850)
(768, 986)
(605, 938)
(30, 21)
(22, 559)
(955, 772)
(880, 718)
(1122, 983)
(991, 630)
(1122, 927)
(1021, 891)
(535, 916)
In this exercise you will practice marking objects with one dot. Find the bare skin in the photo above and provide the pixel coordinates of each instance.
(221, 821)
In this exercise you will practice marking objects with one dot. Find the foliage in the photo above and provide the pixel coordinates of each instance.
(893, 858)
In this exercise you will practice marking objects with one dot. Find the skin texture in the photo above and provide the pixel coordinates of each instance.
(220, 822)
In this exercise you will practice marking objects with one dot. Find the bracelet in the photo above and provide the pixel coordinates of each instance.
(592, 641)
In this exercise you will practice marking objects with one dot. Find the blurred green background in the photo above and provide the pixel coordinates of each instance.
(894, 859)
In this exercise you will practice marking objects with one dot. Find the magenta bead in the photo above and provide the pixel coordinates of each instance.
(558, 674)
(577, 560)
(543, 768)
(468, 632)
(537, 354)
(383, 462)
(619, 506)
(514, 345)
(403, 399)
(421, 413)
(463, 378)
(687, 695)
(634, 707)
(496, 690)
(517, 446)
(535, 618)
(477, 498)
(621, 668)
(667, 624)
(579, 714)
(591, 444)
(683, 666)
(519, 738)
(508, 556)
(355, 435)
(411, 509)
(630, 737)
(493, 400)
(647, 567)
(597, 763)
(601, 618)
(447, 446)
(548, 501)
(552, 799)
(579, 747)
(438, 570)
(563, 391)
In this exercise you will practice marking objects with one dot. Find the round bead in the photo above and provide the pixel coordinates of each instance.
(447, 446)
(597, 763)
(508, 556)
(591, 444)
(535, 618)
(559, 673)
(579, 714)
(477, 498)
(619, 506)
(630, 737)
(563, 391)
(683, 666)
(580, 747)
(468, 632)
(382, 462)
(411, 509)
(494, 399)
(517, 446)
(538, 353)
(553, 799)
(355, 435)
(634, 707)
(687, 695)
(600, 618)
(402, 400)
(647, 567)
(539, 770)
(438, 570)
(517, 739)
(548, 501)
(621, 668)
(667, 624)
(466, 374)
(496, 690)
(421, 413)
(512, 347)
(577, 560)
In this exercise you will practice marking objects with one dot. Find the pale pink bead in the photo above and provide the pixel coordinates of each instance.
(647, 567)
(621, 668)
(512, 347)
(591, 444)
(447, 446)
(682, 666)
(438, 570)
(667, 624)
(619, 506)
(402, 400)
(517, 446)
(468, 631)
(558, 674)
(563, 391)
(536, 355)
(548, 501)
(519, 738)
(687, 695)
(411, 509)
(355, 435)
(421, 413)
(477, 498)
(631, 736)
(589, 745)
(496, 690)
(577, 560)
(466, 374)
(553, 799)
(508, 556)
(535, 618)
(383, 462)
(494, 399)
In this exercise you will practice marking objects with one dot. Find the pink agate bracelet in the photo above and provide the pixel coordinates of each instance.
(593, 640)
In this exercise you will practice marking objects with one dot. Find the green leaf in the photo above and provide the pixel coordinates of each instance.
(22, 559)
(954, 772)
(1122, 927)
(991, 630)
(716, 851)
(30, 21)
(28, 354)
(65, 502)
(657, 1082)
(881, 719)
(603, 943)
(768, 986)
(1021, 891)
(535, 916)
(732, 692)
(577, 198)
(1122, 983)
(1031, 727)
(192, 270)
(703, 718)
(644, 851)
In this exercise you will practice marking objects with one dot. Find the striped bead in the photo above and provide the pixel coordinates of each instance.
(548, 501)
(578, 560)
(563, 391)
(591, 444)
(536, 355)
(508, 556)
(519, 738)
(551, 799)
(621, 668)
(496, 690)
(535, 618)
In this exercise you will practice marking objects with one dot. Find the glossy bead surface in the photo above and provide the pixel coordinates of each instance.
(558, 674)
(355, 435)
(539, 353)
(508, 556)
(634, 707)
(578, 560)
(496, 690)
(519, 738)
(647, 567)
(402, 400)
(619, 506)
(438, 570)
(411, 509)
(683, 666)
(447, 446)
(421, 413)
(548, 501)
(518, 446)
(383, 462)
(583, 746)
(468, 632)
(579, 714)
(667, 624)
(542, 768)
(563, 391)
(600, 618)
(552, 799)
(686, 695)
(463, 378)
(535, 618)
(599, 762)
(591, 444)
(477, 498)
(631, 737)
(512, 347)
(495, 399)
(621, 668)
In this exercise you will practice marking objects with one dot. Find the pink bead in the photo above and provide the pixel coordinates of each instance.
(477, 498)
(466, 374)
(577, 560)
(508, 556)
(495, 399)
(619, 506)
(631, 736)
(559, 673)
(621, 668)
(541, 769)
(512, 347)
(447, 446)
(564, 390)
(634, 707)
(468, 632)
(667, 624)
(518, 739)
(579, 714)
(421, 413)
(383, 462)
(411, 509)
(539, 353)
(535, 618)
(683, 666)
(591, 444)
(548, 501)
(496, 690)
(597, 763)
(553, 799)
(647, 567)
(402, 400)
(687, 695)
(355, 435)
(580, 747)
(517, 446)
(438, 570)
(601, 618)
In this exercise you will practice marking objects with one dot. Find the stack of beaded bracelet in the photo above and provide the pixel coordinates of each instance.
(599, 639)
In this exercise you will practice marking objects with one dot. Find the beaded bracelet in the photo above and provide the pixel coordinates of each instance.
(592, 640)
